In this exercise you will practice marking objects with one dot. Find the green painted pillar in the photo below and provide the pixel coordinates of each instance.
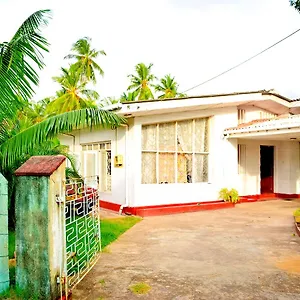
(4, 270)
(40, 244)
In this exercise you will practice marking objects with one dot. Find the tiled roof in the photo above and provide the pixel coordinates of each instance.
(40, 165)
(255, 122)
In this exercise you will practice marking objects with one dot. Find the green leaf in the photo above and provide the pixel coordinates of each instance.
(24, 141)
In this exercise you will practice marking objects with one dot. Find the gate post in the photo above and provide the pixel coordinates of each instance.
(4, 271)
(39, 243)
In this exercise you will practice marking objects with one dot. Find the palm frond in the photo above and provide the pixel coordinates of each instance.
(18, 60)
(25, 141)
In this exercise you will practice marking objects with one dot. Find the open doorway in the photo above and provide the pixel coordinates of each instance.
(267, 169)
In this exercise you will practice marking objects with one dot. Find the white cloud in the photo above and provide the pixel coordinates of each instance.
(190, 39)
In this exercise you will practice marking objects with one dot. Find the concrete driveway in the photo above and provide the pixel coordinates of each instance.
(248, 252)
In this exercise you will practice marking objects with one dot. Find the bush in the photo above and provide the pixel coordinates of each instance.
(297, 213)
(229, 195)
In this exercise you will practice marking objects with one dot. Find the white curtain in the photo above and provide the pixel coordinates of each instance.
(149, 167)
(185, 145)
(201, 135)
(149, 143)
(149, 134)
(167, 142)
(201, 145)
(167, 138)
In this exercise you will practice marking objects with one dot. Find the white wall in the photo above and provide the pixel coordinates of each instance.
(286, 167)
(254, 113)
(222, 161)
(118, 142)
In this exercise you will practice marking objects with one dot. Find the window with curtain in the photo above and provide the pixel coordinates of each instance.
(175, 152)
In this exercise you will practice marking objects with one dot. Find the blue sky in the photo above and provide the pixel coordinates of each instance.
(191, 39)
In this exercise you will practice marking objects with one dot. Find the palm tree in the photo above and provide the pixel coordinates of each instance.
(295, 4)
(108, 101)
(19, 59)
(73, 95)
(142, 82)
(130, 96)
(85, 57)
(36, 111)
(169, 87)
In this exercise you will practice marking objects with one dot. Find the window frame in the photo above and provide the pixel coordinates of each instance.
(193, 152)
(241, 116)
(100, 148)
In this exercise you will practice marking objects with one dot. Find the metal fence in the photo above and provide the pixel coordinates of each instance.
(80, 230)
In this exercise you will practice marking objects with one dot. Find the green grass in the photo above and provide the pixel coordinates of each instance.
(297, 213)
(111, 229)
(140, 288)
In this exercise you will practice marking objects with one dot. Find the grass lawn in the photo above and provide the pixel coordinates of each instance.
(111, 229)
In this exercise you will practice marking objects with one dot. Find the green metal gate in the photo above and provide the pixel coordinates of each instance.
(80, 231)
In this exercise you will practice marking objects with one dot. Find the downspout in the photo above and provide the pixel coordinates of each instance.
(126, 172)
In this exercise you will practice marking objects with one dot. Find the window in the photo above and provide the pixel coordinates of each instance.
(97, 162)
(241, 116)
(267, 115)
(241, 159)
(175, 152)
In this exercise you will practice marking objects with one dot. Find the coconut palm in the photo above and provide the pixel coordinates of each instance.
(19, 59)
(108, 101)
(141, 83)
(295, 4)
(130, 96)
(168, 87)
(36, 111)
(73, 95)
(85, 57)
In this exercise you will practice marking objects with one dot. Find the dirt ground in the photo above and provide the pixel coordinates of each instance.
(248, 252)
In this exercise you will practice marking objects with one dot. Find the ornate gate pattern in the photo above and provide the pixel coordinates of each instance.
(81, 231)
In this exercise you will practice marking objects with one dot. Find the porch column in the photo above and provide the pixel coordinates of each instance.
(39, 242)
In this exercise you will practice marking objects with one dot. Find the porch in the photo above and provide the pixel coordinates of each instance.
(268, 157)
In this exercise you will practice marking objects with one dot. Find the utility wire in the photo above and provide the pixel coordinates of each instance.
(245, 61)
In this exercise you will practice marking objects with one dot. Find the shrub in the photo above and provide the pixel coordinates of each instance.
(297, 213)
(229, 195)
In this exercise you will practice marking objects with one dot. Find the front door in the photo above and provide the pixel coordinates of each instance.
(266, 169)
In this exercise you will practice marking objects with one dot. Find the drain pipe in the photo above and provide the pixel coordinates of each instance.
(126, 172)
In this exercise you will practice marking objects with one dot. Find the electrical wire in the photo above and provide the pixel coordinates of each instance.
(240, 64)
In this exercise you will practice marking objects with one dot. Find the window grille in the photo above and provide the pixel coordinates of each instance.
(175, 152)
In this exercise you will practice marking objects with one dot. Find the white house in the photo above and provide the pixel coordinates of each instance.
(176, 154)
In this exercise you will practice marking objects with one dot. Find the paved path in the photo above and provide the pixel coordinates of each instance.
(248, 252)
